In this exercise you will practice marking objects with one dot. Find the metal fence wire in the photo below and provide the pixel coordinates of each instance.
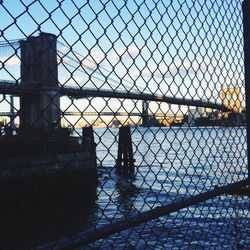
(123, 124)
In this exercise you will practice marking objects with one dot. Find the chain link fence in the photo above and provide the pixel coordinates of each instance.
(123, 124)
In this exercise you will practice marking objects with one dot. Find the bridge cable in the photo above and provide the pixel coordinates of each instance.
(111, 72)
(81, 70)
(94, 71)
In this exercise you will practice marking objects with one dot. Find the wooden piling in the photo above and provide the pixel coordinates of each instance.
(125, 161)
(88, 140)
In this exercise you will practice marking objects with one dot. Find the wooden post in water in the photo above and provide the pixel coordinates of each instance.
(88, 140)
(125, 161)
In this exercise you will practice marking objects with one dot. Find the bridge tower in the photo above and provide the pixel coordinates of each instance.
(39, 70)
(12, 113)
(145, 117)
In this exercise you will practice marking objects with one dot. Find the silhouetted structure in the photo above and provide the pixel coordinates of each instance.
(145, 116)
(125, 161)
(39, 71)
(42, 148)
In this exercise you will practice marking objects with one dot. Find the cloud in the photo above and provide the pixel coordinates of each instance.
(95, 58)
(64, 49)
(10, 61)
(129, 51)
(72, 81)
(90, 61)
(181, 68)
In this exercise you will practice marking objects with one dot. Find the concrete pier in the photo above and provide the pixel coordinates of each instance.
(43, 168)
(55, 178)
(42, 148)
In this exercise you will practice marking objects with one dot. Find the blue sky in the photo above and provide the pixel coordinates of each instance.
(186, 48)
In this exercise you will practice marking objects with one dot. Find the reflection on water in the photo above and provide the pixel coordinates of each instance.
(127, 192)
(170, 164)
(174, 162)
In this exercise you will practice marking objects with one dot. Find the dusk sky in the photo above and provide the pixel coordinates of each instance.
(175, 48)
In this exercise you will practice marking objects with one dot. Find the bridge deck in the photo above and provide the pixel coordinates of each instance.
(15, 88)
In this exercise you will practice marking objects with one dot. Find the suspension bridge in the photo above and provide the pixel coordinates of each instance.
(34, 78)
(105, 113)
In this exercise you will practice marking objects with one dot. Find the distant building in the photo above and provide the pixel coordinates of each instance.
(193, 114)
(3, 121)
(231, 98)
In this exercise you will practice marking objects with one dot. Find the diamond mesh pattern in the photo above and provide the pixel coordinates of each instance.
(172, 71)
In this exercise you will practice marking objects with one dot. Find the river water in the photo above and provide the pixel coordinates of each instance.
(174, 163)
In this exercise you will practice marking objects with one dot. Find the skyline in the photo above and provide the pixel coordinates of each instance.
(150, 46)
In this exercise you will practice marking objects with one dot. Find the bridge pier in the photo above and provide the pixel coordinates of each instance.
(12, 112)
(145, 117)
(39, 70)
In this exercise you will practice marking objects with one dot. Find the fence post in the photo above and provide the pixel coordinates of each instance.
(246, 35)
(125, 161)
